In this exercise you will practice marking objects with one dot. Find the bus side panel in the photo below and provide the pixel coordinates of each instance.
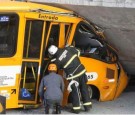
(122, 83)
(11, 94)
(104, 84)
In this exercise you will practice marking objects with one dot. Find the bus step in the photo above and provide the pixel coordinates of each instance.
(31, 106)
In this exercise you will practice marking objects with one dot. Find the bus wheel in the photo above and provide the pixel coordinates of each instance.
(90, 92)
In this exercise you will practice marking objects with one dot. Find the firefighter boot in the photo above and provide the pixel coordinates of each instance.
(87, 108)
(46, 110)
(75, 111)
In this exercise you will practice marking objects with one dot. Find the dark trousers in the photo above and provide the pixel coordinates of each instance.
(53, 105)
(83, 88)
(2, 105)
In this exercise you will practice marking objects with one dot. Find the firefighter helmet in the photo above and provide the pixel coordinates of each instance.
(52, 67)
(52, 49)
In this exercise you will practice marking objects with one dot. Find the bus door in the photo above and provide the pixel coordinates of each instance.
(52, 38)
(35, 61)
(56, 35)
(31, 61)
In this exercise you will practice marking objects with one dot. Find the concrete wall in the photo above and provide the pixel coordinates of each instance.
(105, 3)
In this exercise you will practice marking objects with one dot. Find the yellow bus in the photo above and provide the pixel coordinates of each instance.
(28, 29)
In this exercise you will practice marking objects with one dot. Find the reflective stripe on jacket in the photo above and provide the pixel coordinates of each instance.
(67, 59)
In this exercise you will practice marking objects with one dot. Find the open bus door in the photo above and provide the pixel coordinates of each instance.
(31, 61)
(39, 35)
(57, 35)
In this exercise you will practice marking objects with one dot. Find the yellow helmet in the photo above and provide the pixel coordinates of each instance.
(52, 67)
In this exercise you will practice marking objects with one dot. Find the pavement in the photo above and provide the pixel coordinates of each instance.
(125, 104)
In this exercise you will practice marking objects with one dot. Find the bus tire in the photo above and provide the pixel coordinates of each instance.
(93, 92)
(90, 90)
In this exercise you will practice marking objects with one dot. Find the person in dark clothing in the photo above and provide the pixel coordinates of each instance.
(68, 59)
(51, 90)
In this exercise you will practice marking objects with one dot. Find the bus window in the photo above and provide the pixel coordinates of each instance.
(85, 37)
(86, 40)
(53, 37)
(8, 34)
(67, 32)
(111, 57)
(33, 37)
(90, 45)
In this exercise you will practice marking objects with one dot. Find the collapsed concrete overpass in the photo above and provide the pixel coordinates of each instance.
(116, 17)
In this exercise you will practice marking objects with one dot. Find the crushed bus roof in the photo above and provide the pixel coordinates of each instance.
(28, 6)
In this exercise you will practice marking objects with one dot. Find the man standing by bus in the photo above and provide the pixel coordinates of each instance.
(51, 90)
(68, 59)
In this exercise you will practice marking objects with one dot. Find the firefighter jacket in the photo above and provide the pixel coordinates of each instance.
(68, 60)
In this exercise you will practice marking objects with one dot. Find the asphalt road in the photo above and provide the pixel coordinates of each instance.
(125, 104)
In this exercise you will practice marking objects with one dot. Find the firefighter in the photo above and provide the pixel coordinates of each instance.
(68, 59)
(51, 90)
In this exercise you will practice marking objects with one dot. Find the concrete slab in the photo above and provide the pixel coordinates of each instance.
(117, 21)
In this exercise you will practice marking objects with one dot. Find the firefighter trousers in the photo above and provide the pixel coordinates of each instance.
(80, 91)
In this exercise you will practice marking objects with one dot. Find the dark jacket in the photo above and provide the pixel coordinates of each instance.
(68, 60)
(54, 87)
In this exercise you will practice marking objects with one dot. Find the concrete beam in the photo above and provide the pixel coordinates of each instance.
(104, 3)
